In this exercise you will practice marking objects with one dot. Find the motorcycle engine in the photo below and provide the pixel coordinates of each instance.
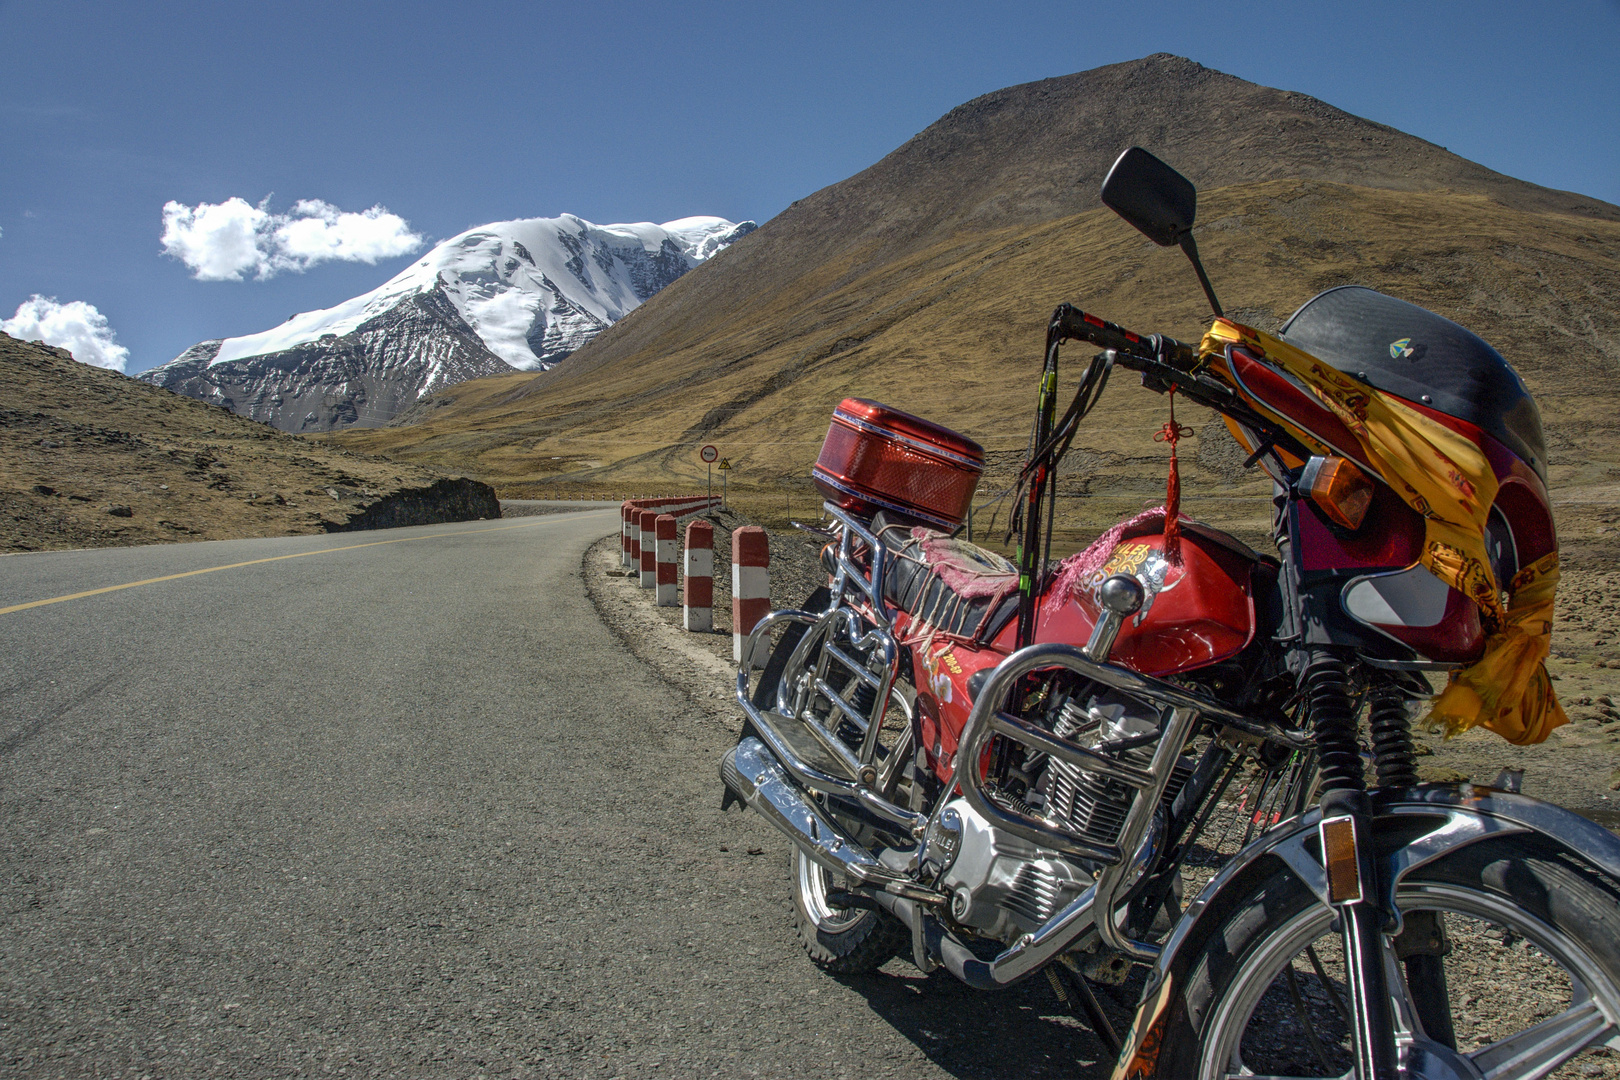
(1002, 885)
(1087, 803)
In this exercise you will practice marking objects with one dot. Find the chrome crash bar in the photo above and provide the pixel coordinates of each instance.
(1179, 711)
(863, 782)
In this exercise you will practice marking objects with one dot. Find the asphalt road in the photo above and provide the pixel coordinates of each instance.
(405, 809)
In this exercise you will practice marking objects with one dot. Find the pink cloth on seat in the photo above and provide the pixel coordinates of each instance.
(966, 569)
(1082, 564)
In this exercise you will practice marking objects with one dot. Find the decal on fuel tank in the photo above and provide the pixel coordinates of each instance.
(1146, 564)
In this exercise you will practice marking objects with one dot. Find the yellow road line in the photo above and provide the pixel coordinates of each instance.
(255, 562)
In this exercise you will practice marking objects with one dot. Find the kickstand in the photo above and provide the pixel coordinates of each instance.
(1089, 1005)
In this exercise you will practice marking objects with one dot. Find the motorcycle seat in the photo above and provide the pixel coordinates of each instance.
(949, 585)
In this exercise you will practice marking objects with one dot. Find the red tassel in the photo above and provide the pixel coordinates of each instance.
(1172, 433)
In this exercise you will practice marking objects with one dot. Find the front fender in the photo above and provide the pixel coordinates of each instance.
(1416, 826)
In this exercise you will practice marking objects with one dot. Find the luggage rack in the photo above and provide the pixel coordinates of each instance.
(847, 572)
(837, 657)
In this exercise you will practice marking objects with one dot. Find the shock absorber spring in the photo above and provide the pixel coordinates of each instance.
(1393, 754)
(1327, 691)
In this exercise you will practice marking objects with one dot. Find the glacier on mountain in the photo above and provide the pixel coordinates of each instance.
(514, 294)
(533, 290)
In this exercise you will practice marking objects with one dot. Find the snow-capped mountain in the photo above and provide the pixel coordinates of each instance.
(514, 294)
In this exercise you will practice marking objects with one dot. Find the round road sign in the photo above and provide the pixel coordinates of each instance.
(708, 453)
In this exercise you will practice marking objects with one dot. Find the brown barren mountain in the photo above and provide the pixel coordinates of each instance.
(926, 281)
(91, 458)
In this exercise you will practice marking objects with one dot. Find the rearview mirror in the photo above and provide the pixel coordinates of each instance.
(1152, 196)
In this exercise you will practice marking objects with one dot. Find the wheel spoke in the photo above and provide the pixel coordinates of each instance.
(1304, 1014)
(1339, 1005)
(1538, 1050)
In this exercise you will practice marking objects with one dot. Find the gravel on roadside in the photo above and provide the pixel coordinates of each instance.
(698, 664)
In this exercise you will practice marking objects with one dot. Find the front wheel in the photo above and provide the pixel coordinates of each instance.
(846, 941)
(1531, 975)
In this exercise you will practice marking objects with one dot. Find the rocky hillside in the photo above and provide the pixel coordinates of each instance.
(514, 294)
(1037, 153)
(90, 458)
(926, 281)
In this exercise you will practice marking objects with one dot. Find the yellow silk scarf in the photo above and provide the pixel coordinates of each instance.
(1445, 477)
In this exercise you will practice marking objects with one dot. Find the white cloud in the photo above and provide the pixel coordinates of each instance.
(75, 326)
(217, 241)
(223, 241)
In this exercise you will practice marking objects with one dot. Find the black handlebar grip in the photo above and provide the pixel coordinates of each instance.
(1069, 321)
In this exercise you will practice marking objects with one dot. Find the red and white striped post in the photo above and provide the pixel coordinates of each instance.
(626, 512)
(697, 607)
(647, 524)
(750, 591)
(664, 595)
(635, 538)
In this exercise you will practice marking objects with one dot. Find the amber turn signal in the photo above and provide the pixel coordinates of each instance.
(1342, 491)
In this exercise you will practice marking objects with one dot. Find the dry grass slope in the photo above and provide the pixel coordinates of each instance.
(90, 458)
(953, 331)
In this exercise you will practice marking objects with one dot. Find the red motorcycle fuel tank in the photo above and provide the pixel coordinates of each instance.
(1195, 614)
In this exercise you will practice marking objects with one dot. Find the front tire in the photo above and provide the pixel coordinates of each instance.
(1534, 971)
(845, 941)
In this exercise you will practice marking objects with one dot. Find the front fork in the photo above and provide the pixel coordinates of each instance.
(1354, 888)
(1360, 896)
(1355, 891)
(1365, 907)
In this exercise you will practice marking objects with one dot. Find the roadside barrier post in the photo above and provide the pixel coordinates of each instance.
(633, 524)
(625, 512)
(750, 591)
(648, 526)
(697, 607)
(664, 595)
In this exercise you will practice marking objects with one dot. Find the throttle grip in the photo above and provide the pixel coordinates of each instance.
(1070, 322)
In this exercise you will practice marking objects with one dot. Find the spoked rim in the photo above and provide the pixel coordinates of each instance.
(1535, 1051)
(813, 894)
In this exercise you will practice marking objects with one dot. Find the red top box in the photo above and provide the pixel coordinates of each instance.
(878, 458)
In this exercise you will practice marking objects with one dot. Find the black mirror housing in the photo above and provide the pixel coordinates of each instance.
(1152, 196)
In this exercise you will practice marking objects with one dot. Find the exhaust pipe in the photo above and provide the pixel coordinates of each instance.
(759, 780)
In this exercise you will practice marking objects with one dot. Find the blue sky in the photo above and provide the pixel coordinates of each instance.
(451, 115)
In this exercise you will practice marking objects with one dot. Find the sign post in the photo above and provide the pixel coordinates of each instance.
(708, 454)
(725, 475)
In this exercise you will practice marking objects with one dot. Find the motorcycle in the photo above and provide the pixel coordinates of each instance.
(1008, 767)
